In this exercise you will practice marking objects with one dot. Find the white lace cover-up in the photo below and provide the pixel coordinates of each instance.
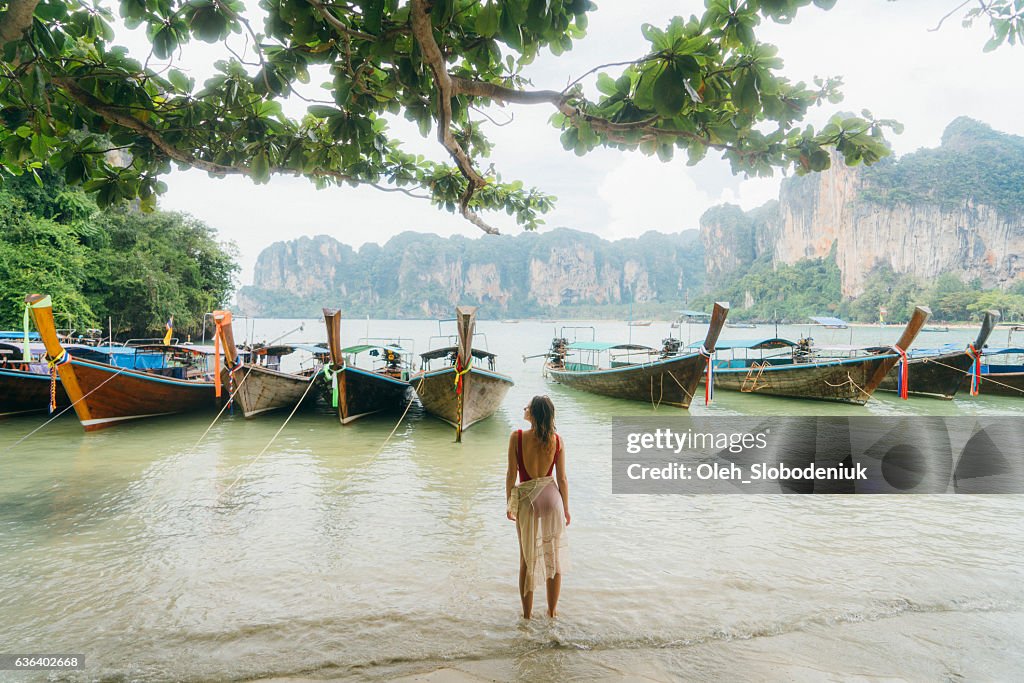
(536, 505)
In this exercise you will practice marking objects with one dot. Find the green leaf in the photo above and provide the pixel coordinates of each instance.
(260, 167)
(487, 20)
(669, 92)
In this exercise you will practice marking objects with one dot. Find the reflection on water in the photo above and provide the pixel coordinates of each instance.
(334, 553)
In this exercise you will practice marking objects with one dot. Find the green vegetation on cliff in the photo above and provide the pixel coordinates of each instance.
(415, 275)
(137, 269)
(974, 163)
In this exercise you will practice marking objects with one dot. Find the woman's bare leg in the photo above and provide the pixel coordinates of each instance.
(526, 597)
(554, 588)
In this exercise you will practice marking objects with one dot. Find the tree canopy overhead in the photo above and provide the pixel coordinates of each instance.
(69, 95)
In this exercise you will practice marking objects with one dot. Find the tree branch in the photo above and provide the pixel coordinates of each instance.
(337, 24)
(114, 115)
(16, 20)
(423, 32)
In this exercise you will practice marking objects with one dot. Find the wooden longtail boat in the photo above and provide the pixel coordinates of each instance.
(796, 375)
(363, 391)
(670, 379)
(104, 395)
(463, 393)
(256, 387)
(1002, 372)
(25, 385)
(939, 374)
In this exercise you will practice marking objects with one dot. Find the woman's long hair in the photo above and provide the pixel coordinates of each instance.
(543, 412)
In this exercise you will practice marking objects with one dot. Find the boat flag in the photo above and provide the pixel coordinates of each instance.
(170, 330)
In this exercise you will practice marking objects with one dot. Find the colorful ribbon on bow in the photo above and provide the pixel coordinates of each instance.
(709, 380)
(975, 369)
(902, 374)
(63, 359)
(26, 355)
(459, 372)
(332, 377)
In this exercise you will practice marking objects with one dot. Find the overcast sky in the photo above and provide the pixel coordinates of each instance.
(889, 60)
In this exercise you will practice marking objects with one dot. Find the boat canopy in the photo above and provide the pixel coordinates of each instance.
(1002, 351)
(753, 344)
(686, 313)
(829, 322)
(359, 348)
(605, 346)
(315, 349)
(444, 351)
(33, 336)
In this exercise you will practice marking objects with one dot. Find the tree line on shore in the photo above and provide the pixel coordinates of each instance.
(117, 267)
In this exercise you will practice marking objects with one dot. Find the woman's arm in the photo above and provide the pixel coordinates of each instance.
(513, 470)
(562, 479)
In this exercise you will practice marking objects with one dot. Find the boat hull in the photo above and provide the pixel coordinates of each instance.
(27, 392)
(483, 394)
(844, 381)
(672, 381)
(998, 384)
(365, 393)
(933, 377)
(260, 390)
(112, 395)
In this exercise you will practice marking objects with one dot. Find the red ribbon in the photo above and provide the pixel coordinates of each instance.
(976, 375)
(903, 373)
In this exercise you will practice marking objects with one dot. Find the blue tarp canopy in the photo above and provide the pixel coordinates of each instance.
(829, 321)
(33, 336)
(694, 314)
(998, 352)
(755, 344)
(605, 346)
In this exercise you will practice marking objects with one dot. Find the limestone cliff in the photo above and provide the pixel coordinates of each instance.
(422, 275)
(957, 209)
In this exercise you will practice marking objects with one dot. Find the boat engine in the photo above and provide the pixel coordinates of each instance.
(670, 346)
(804, 350)
(557, 352)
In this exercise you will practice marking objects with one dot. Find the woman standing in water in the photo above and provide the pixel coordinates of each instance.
(539, 505)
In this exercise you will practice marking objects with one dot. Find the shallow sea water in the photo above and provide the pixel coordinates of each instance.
(333, 554)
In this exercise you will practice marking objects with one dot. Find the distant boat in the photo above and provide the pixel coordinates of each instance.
(510, 322)
(260, 386)
(934, 328)
(800, 374)
(640, 323)
(637, 373)
(742, 326)
(830, 323)
(940, 373)
(360, 388)
(104, 395)
(464, 392)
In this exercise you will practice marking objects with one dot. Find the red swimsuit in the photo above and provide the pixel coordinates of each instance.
(523, 475)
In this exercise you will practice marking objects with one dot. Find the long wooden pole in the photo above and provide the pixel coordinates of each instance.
(465, 318)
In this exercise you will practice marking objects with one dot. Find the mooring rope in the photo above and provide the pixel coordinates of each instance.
(73, 404)
(849, 380)
(312, 381)
(393, 430)
(984, 378)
